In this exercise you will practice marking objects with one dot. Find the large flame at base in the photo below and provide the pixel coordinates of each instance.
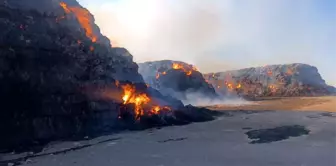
(141, 101)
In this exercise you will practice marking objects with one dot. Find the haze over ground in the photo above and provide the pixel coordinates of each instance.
(218, 35)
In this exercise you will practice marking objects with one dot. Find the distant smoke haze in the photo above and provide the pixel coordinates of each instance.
(218, 35)
(199, 99)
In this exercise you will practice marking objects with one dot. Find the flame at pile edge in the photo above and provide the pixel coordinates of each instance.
(83, 17)
(141, 101)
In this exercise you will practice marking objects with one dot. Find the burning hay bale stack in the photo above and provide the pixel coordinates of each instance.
(60, 78)
(45, 65)
(182, 86)
(151, 70)
(178, 79)
(142, 107)
(274, 80)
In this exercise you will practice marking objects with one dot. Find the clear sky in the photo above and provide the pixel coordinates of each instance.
(218, 35)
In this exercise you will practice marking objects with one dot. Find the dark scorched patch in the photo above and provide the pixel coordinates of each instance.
(173, 139)
(276, 134)
(328, 114)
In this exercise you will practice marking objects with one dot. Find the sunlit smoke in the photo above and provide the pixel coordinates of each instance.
(199, 99)
(218, 35)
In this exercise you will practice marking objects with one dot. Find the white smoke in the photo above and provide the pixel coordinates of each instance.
(199, 99)
(218, 35)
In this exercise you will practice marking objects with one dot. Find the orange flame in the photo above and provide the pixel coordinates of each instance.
(238, 86)
(156, 109)
(159, 74)
(177, 66)
(273, 88)
(188, 72)
(229, 86)
(65, 7)
(83, 17)
(139, 100)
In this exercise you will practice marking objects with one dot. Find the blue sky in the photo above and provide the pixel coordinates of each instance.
(218, 35)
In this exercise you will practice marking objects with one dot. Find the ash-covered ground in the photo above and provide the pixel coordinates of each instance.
(278, 138)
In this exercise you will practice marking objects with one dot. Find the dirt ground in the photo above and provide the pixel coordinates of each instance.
(258, 138)
(326, 103)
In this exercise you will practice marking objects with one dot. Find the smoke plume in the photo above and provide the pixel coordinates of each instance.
(199, 99)
(219, 35)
